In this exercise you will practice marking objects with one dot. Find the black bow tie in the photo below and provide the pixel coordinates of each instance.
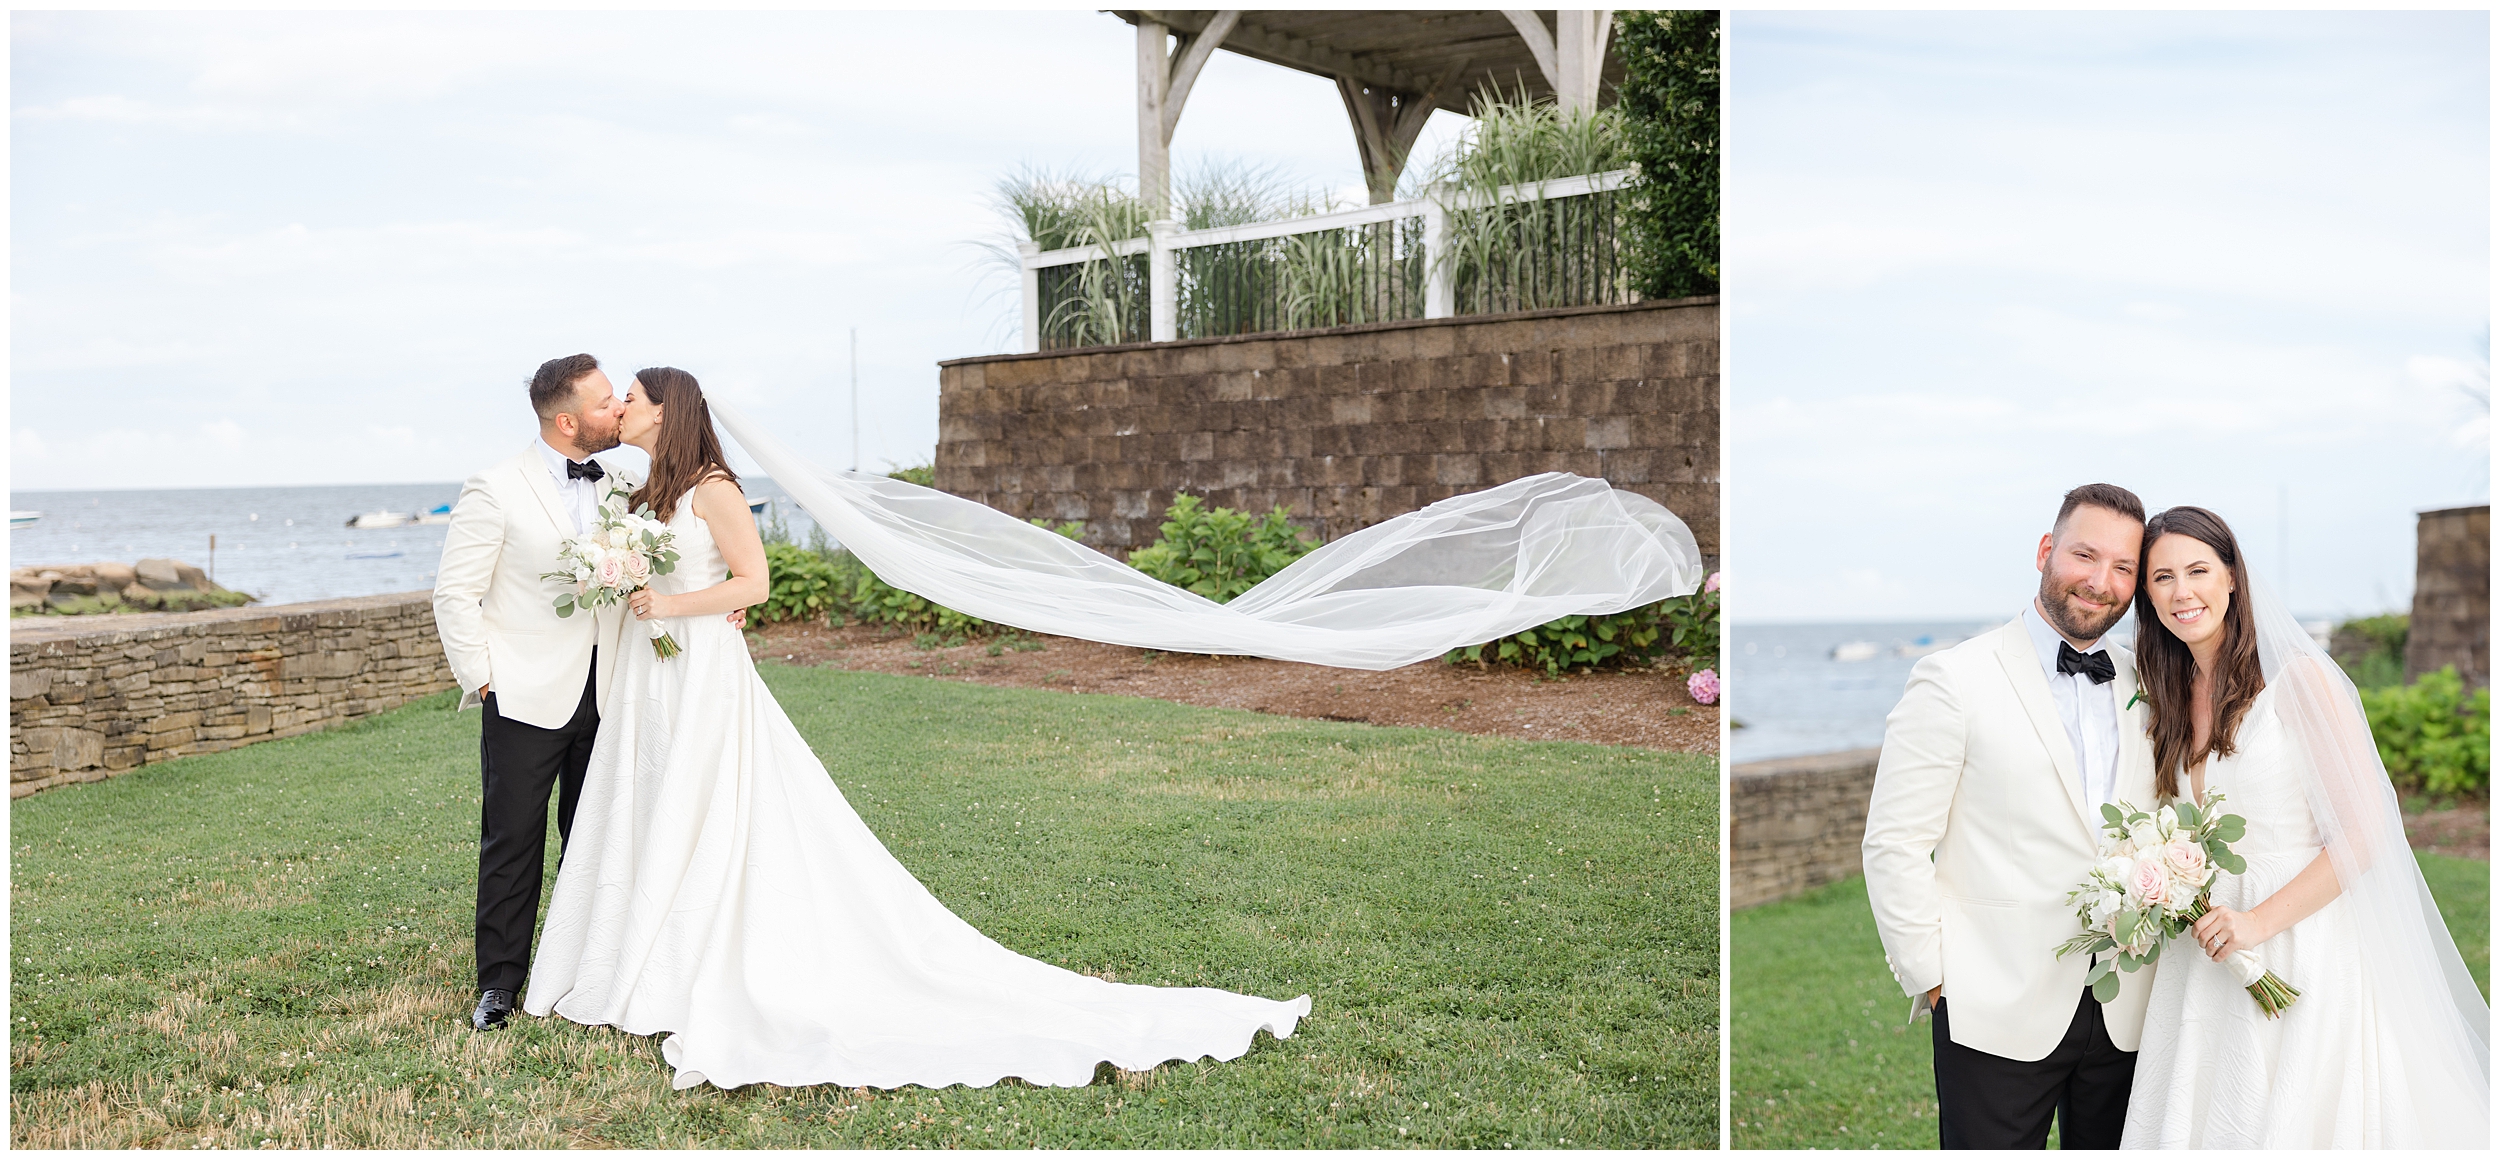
(592, 471)
(2095, 664)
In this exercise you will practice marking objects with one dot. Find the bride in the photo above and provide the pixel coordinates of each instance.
(2387, 1046)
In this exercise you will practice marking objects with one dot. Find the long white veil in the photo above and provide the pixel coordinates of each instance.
(1466, 570)
(2438, 1022)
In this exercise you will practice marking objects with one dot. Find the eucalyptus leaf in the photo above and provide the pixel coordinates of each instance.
(2106, 988)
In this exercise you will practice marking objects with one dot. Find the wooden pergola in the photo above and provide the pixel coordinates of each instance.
(1392, 69)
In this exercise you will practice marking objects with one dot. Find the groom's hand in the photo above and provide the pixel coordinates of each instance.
(1934, 994)
(737, 618)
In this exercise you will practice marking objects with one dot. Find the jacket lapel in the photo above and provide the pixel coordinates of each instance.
(2135, 746)
(2022, 666)
(534, 472)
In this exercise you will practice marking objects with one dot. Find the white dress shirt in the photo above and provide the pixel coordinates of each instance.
(2089, 711)
(581, 496)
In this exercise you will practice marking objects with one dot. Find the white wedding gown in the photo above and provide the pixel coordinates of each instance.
(2333, 1072)
(720, 889)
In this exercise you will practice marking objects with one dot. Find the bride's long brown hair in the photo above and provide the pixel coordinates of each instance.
(688, 451)
(2168, 671)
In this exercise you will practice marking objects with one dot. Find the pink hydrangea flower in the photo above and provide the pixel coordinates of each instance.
(1711, 584)
(1704, 686)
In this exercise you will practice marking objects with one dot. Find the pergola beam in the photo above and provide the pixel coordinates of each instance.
(1391, 69)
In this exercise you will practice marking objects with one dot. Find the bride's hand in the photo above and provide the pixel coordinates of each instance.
(2224, 931)
(648, 605)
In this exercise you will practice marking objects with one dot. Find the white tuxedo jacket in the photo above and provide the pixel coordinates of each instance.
(497, 618)
(1977, 771)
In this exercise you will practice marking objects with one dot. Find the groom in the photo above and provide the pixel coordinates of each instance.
(540, 678)
(1986, 811)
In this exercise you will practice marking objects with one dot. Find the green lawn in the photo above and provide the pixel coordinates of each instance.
(1819, 1055)
(1507, 943)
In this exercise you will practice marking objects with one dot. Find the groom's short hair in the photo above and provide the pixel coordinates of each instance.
(2109, 496)
(551, 389)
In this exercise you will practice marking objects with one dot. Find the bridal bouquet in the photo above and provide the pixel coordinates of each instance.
(2154, 880)
(611, 562)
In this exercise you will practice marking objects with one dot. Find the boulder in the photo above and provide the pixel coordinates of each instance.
(28, 591)
(166, 575)
(113, 576)
(72, 581)
(138, 594)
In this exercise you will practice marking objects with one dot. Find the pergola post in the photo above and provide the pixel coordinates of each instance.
(1386, 123)
(1163, 83)
(1571, 54)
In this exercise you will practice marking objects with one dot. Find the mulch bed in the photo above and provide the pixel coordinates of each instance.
(2461, 828)
(1647, 707)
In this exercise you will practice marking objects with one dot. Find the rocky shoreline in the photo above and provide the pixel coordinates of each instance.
(152, 585)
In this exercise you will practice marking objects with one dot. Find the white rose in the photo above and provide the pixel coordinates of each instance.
(2145, 835)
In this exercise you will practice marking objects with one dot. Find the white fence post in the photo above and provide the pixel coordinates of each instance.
(1440, 276)
(1163, 318)
(1032, 296)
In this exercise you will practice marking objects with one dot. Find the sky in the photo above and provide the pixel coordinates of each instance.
(1974, 259)
(303, 248)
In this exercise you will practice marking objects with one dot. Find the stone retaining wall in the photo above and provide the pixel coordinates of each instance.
(1344, 427)
(93, 696)
(1796, 823)
(2451, 622)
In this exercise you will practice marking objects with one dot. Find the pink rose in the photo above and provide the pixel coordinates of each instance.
(1704, 686)
(637, 570)
(1711, 584)
(2187, 861)
(2148, 882)
(611, 570)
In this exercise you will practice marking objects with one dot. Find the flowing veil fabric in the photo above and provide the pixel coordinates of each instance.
(1466, 570)
(2418, 981)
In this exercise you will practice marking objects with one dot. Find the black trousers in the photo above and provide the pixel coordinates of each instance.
(518, 764)
(1989, 1101)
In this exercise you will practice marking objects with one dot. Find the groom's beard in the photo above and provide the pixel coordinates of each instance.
(2074, 622)
(590, 443)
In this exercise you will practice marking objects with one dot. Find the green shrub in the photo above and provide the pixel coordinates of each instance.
(925, 474)
(826, 584)
(1219, 553)
(1670, 101)
(2432, 735)
(1681, 626)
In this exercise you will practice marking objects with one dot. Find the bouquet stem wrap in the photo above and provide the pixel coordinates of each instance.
(2268, 988)
(661, 642)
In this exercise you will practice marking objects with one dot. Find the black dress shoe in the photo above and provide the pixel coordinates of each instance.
(493, 1007)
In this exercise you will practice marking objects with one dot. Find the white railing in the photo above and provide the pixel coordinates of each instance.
(1164, 238)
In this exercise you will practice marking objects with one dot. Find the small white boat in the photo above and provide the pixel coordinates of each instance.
(23, 519)
(381, 520)
(1855, 651)
(440, 515)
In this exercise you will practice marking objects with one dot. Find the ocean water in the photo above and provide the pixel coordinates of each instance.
(281, 544)
(1792, 697)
